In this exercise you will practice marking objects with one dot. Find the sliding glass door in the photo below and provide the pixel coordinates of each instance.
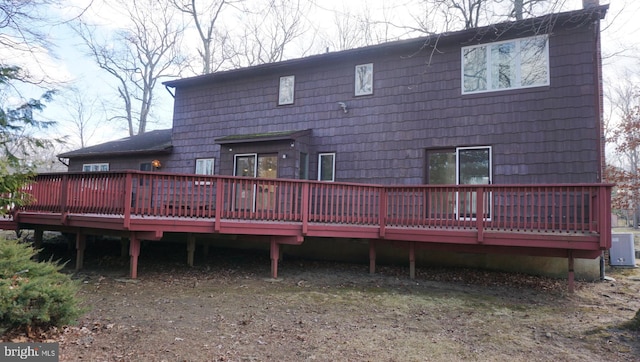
(250, 194)
(459, 166)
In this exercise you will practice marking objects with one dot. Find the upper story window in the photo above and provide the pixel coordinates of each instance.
(364, 79)
(95, 167)
(286, 91)
(517, 63)
(204, 166)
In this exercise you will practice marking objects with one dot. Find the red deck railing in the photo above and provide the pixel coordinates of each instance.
(562, 208)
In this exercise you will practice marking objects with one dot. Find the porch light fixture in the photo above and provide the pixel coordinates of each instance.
(343, 105)
(156, 164)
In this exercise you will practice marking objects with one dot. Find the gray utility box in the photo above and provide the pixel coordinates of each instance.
(622, 252)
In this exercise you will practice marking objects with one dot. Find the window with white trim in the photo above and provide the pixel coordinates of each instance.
(287, 90)
(205, 166)
(326, 166)
(95, 167)
(517, 63)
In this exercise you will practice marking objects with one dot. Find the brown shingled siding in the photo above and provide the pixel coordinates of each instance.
(539, 135)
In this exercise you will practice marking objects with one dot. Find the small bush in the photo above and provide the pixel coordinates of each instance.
(34, 294)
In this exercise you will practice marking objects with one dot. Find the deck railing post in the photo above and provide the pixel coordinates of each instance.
(604, 219)
(219, 195)
(305, 208)
(64, 192)
(382, 213)
(128, 200)
(480, 213)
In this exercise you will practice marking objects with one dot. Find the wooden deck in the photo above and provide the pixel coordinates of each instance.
(566, 220)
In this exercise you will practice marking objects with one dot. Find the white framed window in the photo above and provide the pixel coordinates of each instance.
(517, 63)
(364, 79)
(326, 166)
(205, 166)
(95, 167)
(287, 90)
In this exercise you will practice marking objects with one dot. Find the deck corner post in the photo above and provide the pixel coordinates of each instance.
(275, 254)
(81, 243)
(571, 276)
(372, 256)
(134, 252)
(412, 260)
(191, 248)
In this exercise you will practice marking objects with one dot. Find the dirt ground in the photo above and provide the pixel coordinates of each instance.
(226, 308)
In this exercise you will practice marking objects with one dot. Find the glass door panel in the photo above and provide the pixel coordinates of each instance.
(441, 171)
(266, 193)
(245, 165)
(474, 168)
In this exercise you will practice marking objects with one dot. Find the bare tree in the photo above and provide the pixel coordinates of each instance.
(350, 32)
(138, 56)
(468, 14)
(622, 133)
(206, 22)
(16, 21)
(268, 32)
(81, 110)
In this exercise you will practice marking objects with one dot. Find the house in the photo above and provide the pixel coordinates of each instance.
(514, 109)
(511, 103)
(130, 153)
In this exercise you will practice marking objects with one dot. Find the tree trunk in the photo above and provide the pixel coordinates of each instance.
(518, 9)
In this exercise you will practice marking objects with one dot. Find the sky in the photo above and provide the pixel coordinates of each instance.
(68, 63)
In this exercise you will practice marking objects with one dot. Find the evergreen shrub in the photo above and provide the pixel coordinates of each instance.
(32, 293)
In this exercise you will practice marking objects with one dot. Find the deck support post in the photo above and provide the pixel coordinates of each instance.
(571, 273)
(38, 235)
(372, 256)
(412, 260)
(124, 248)
(81, 244)
(37, 238)
(134, 252)
(191, 248)
(275, 255)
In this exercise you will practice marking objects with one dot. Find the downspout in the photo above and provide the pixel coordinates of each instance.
(597, 73)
